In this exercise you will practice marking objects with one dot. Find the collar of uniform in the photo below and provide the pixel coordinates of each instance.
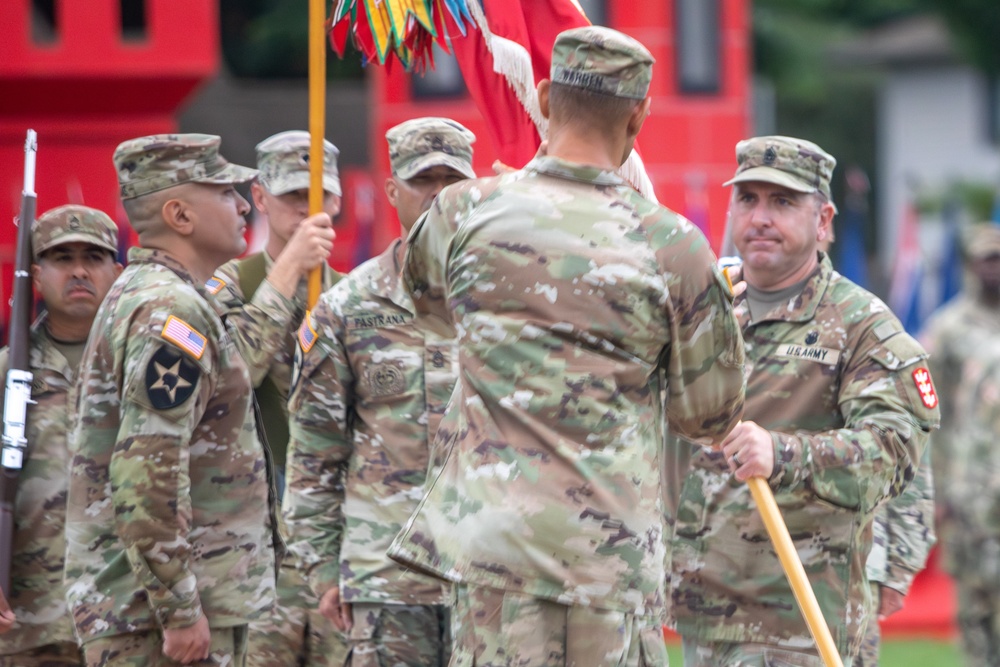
(803, 308)
(391, 272)
(139, 255)
(43, 355)
(586, 173)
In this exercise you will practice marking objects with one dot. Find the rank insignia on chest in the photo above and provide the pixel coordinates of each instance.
(922, 380)
(171, 378)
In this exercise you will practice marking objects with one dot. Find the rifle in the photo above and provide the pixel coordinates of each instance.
(18, 388)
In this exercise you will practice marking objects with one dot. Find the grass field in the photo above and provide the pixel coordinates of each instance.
(895, 653)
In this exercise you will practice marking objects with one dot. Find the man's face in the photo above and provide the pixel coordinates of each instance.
(73, 279)
(220, 210)
(413, 197)
(777, 232)
(285, 212)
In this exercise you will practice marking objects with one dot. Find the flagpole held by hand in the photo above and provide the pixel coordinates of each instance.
(785, 548)
(317, 125)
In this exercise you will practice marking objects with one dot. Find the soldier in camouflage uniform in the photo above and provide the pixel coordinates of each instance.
(577, 305)
(958, 335)
(170, 541)
(265, 298)
(75, 249)
(839, 407)
(369, 393)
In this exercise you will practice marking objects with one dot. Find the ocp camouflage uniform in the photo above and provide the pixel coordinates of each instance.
(168, 498)
(902, 537)
(263, 330)
(576, 303)
(38, 596)
(962, 337)
(838, 382)
(368, 396)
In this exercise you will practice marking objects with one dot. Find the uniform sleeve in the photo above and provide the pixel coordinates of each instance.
(945, 363)
(165, 388)
(319, 447)
(705, 364)
(888, 406)
(259, 327)
(909, 528)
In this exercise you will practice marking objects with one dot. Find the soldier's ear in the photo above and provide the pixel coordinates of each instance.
(543, 96)
(178, 216)
(391, 191)
(36, 277)
(257, 194)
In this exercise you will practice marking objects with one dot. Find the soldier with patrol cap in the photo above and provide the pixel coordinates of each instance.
(369, 393)
(265, 298)
(581, 310)
(75, 249)
(170, 537)
(839, 408)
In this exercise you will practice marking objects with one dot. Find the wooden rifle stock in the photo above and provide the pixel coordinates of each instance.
(17, 393)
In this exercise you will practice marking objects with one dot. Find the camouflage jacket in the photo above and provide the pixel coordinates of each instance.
(836, 380)
(39, 597)
(957, 332)
(263, 328)
(167, 515)
(368, 396)
(573, 298)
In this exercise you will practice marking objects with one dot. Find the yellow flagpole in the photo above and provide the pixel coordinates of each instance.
(317, 124)
(777, 530)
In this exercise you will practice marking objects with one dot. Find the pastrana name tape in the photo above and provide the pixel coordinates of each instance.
(184, 336)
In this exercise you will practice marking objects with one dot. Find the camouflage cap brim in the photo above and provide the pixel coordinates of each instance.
(429, 160)
(772, 175)
(301, 181)
(231, 173)
(63, 239)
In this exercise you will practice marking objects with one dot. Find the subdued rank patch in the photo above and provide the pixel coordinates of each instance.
(822, 355)
(171, 378)
(215, 285)
(184, 336)
(384, 379)
(38, 386)
(922, 379)
(307, 335)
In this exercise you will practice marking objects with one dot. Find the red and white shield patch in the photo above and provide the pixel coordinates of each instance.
(922, 378)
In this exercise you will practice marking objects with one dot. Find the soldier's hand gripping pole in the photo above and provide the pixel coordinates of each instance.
(18, 381)
(789, 557)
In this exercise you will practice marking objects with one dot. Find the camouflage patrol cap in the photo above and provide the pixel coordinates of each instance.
(603, 61)
(796, 164)
(73, 224)
(283, 161)
(161, 161)
(421, 143)
(982, 240)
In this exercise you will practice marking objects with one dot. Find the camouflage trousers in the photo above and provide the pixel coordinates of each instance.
(394, 635)
(495, 628)
(744, 654)
(976, 561)
(295, 634)
(872, 641)
(51, 655)
(228, 648)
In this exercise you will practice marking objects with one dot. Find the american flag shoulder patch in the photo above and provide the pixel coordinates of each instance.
(184, 336)
(215, 285)
(307, 335)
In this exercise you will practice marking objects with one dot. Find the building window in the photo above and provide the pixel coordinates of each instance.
(444, 81)
(698, 62)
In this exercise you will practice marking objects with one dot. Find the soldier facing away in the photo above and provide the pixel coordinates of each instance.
(576, 303)
(265, 298)
(170, 538)
(75, 249)
(839, 407)
(370, 390)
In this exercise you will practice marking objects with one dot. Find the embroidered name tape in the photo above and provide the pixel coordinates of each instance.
(184, 336)
(823, 355)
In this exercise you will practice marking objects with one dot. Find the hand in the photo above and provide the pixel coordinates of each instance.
(749, 450)
(890, 601)
(7, 617)
(731, 269)
(308, 248)
(187, 645)
(338, 612)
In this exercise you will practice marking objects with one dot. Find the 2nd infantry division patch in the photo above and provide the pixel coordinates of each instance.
(171, 378)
